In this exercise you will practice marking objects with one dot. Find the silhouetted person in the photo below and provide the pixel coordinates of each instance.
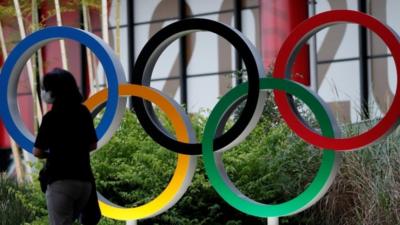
(66, 136)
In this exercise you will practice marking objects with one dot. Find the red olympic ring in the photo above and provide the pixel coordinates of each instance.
(284, 62)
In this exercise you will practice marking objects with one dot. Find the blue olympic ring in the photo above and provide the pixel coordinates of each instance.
(22, 52)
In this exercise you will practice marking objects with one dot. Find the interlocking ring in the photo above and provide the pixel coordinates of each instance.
(227, 190)
(16, 60)
(214, 139)
(284, 62)
(185, 166)
(255, 69)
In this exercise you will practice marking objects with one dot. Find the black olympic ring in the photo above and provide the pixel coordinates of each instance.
(145, 64)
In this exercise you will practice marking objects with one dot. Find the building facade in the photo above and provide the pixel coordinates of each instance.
(349, 67)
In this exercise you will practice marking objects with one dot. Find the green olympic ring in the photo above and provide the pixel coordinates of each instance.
(219, 178)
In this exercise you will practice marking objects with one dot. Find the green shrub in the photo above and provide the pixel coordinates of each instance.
(271, 166)
(13, 205)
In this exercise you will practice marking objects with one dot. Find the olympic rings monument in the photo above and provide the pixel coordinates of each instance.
(214, 142)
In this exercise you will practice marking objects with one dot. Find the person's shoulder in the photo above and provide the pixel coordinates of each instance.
(84, 109)
(48, 115)
(48, 118)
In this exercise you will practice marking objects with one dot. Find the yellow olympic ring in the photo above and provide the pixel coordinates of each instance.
(185, 165)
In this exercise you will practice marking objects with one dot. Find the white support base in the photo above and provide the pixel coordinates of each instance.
(273, 220)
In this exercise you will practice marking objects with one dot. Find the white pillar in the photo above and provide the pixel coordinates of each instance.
(131, 222)
(104, 21)
(273, 220)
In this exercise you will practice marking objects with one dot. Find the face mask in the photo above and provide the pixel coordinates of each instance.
(46, 97)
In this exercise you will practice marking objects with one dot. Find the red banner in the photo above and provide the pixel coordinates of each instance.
(278, 19)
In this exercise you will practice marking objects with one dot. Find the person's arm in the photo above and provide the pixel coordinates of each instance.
(42, 140)
(90, 131)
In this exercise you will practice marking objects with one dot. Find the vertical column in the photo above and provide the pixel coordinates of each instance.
(278, 19)
(131, 42)
(84, 65)
(363, 46)
(130, 12)
(273, 221)
(182, 57)
(238, 25)
(131, 222)
(313, 50)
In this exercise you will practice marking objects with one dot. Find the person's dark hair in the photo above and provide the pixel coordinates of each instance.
(62, 85)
